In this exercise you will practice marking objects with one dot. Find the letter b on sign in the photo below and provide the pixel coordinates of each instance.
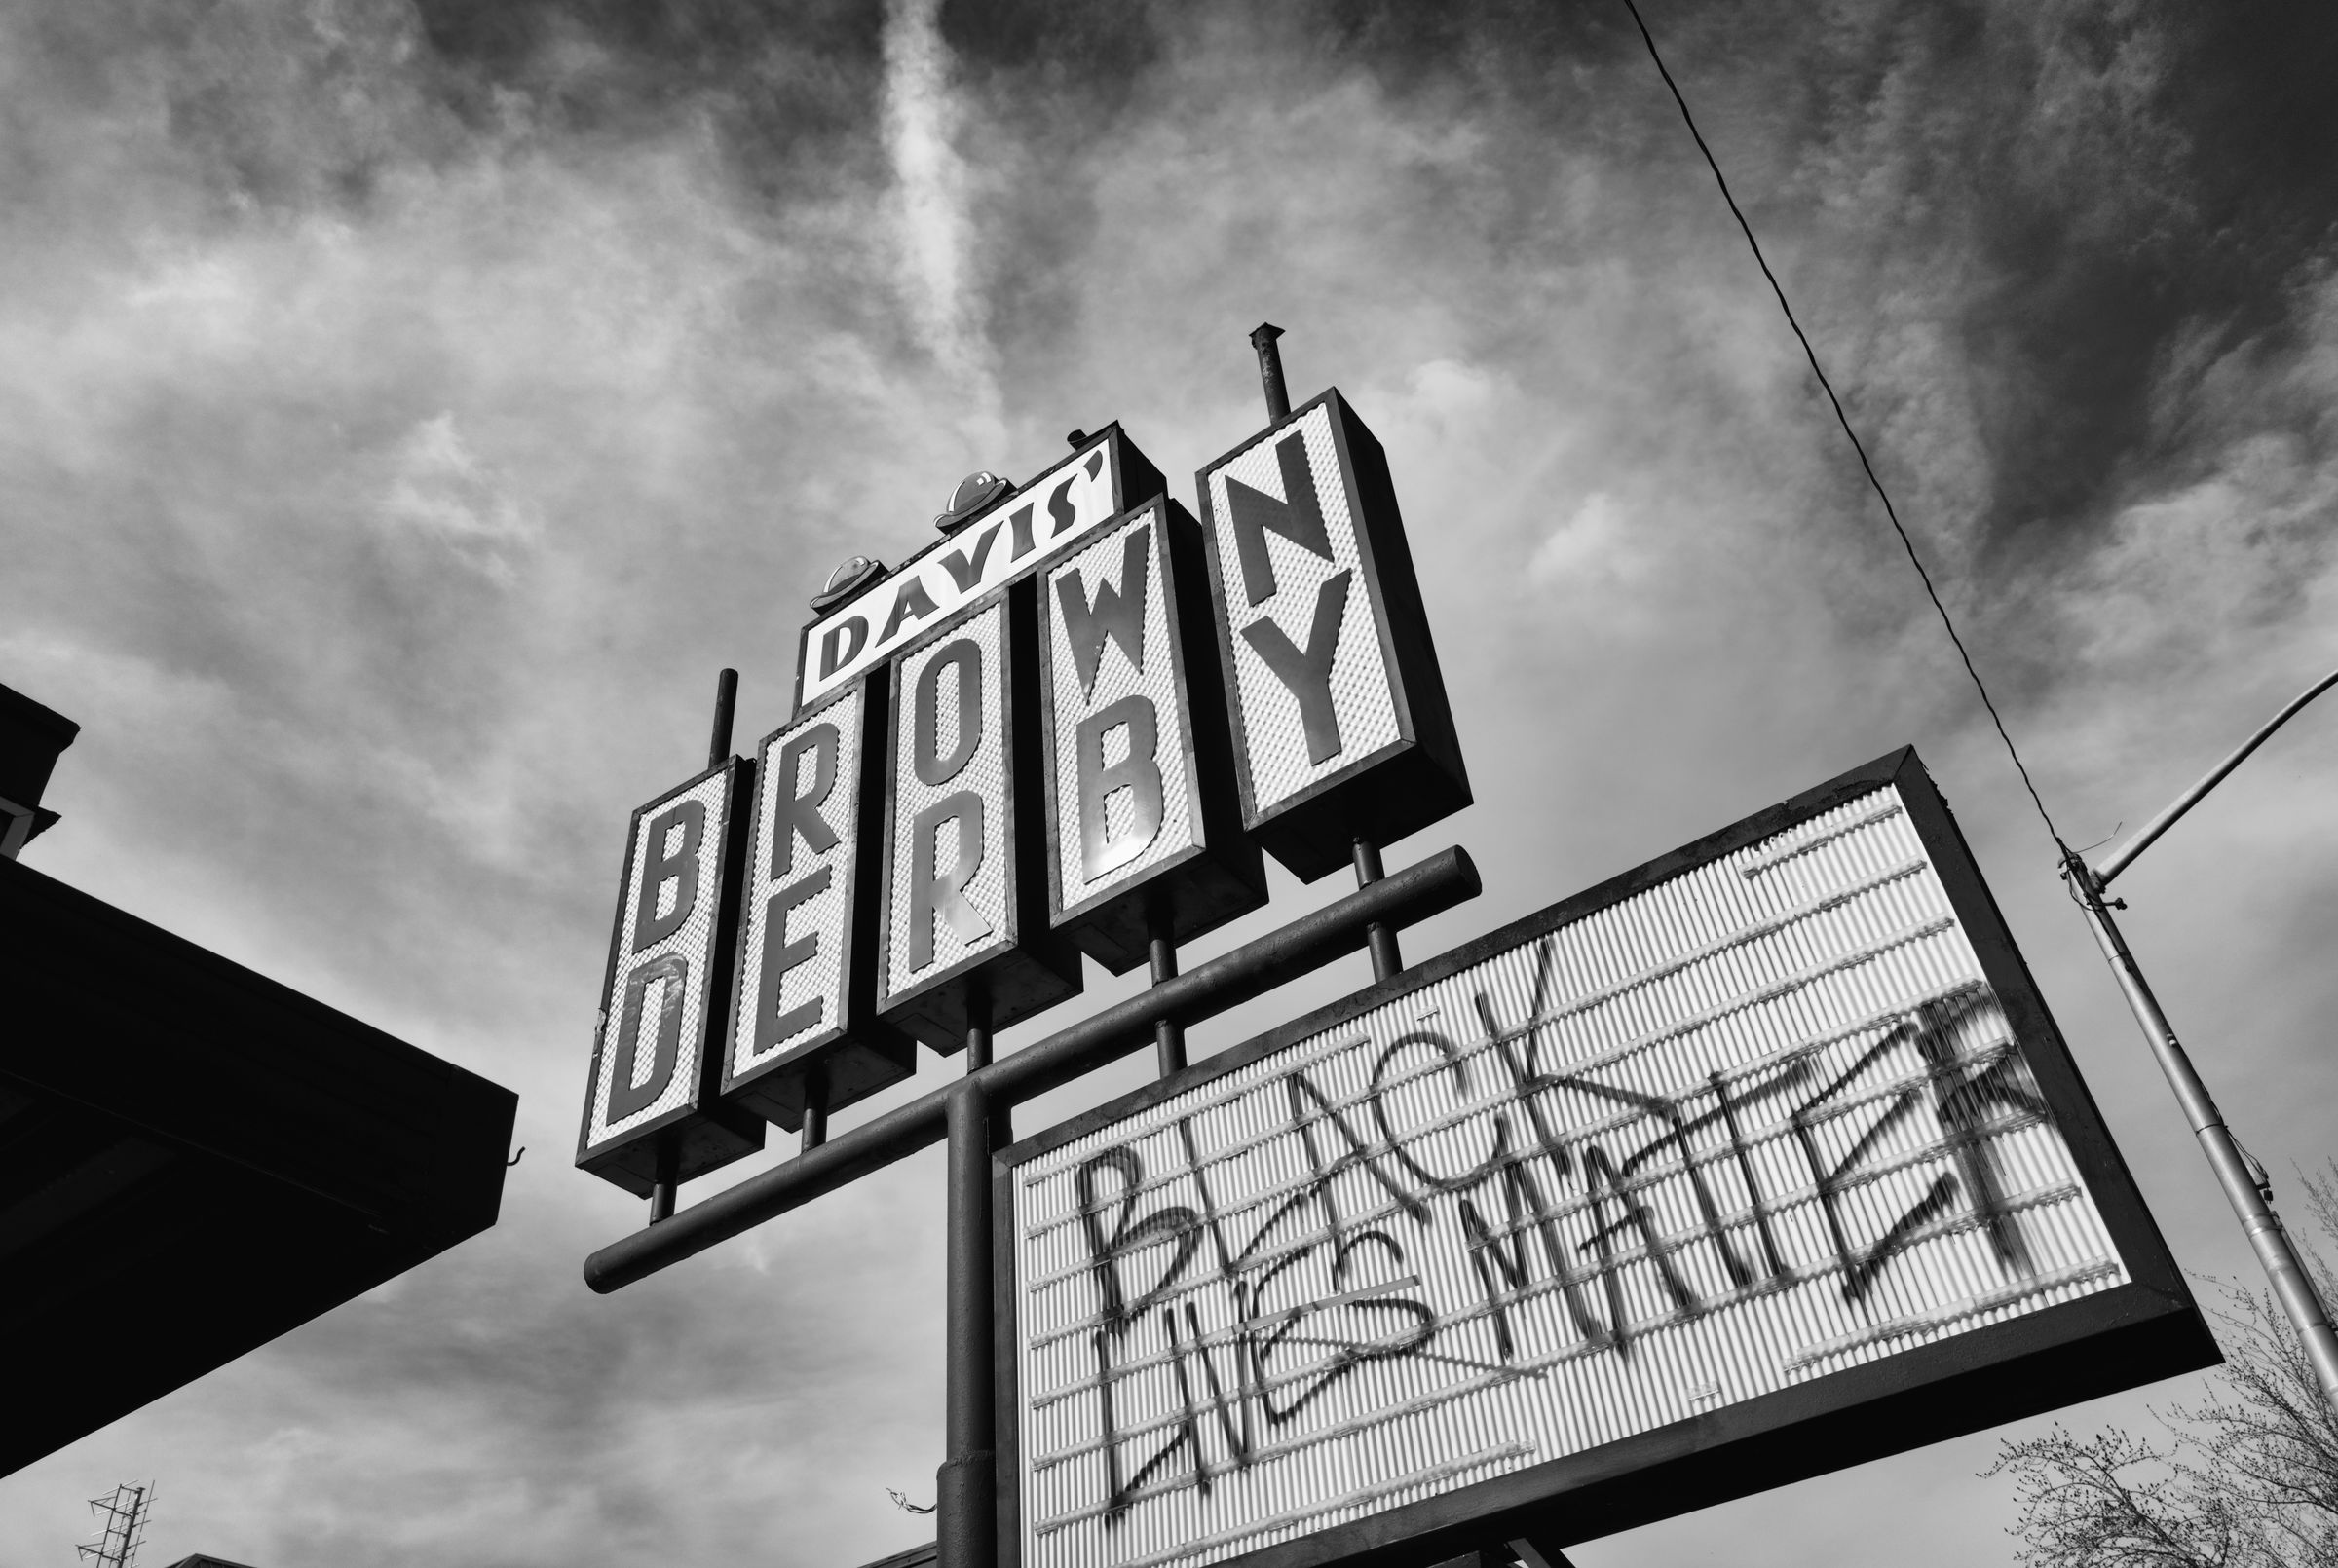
(1145, 836)
(1110, 839)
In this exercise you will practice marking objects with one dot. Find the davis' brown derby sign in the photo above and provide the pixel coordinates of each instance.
(1759, 1161)
(1044, 517)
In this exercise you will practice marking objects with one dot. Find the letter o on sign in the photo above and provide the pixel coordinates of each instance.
(933, 766)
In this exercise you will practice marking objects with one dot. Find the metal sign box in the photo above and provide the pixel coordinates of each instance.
(804, 1003)
(658, 1043)
(1342, 729)
(1759, 1161)
(1144, 827)
(966, 877)
(1044, 517)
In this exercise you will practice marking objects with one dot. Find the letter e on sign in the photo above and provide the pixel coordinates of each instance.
(661, 999)
(1342, 726)
(804, 1019)
(1143, 826)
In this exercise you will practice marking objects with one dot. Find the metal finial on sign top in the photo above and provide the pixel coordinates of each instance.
(726, 699)
(1271, 369)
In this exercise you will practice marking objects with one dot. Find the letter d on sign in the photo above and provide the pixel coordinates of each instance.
(840, 645)
(649, 1100)
(627, 1099)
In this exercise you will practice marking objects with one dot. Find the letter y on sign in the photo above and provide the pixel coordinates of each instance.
(1332, 674)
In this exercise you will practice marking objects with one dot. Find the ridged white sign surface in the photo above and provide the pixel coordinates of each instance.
(1760, 1122)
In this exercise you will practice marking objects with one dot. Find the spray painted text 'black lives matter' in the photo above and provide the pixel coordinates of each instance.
(1575, 1205)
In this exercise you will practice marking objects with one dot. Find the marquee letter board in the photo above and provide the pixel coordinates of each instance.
(1045, 516)
(966, 875)
(656, 1047)
(1759, 1161)
(806, 989)
(1341, 722)
(1142, 811)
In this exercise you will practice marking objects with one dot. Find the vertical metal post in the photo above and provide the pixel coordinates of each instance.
(965, 1500)
(816, 1107)
(726, 697)
(1271, 369)
(668, 1179)
(1379, 938)
(2246, 1188)
(1168, 1036)
(978, 1026)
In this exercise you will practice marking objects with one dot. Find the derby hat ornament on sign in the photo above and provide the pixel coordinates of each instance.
(859, 572)
(973, 493)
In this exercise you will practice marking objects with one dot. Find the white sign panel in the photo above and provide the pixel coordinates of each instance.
(1043, 518)
(1341, 724)
(800, 887)
(1124, 791)
(668, 964)
(807, 946)
(1762, 1121)
(1314, 692)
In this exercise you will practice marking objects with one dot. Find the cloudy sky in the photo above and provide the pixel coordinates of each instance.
(406, 408)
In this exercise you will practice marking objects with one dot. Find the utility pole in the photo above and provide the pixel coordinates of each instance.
(2246, 1186)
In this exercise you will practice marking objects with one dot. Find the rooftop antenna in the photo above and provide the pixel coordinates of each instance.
(125, 1514)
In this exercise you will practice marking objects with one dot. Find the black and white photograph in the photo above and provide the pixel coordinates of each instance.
(1062, 784)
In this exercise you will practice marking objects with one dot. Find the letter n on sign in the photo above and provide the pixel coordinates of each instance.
(966, 879)
(656, 1045)
(1144, 827)
(806, 995)
(1341, 722)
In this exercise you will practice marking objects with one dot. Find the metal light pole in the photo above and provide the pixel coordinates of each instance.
(2246, 1184)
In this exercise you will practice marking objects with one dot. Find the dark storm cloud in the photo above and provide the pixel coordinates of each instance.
(790, 90)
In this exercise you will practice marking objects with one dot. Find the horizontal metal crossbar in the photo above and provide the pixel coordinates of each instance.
(1430, 887)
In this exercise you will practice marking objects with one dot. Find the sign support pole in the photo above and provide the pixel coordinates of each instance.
(816, 1107)
(965, 1486)
(1168, 1036)
(2246, 1186)
(1415, 892)
(1380, 938)
(667, 1180)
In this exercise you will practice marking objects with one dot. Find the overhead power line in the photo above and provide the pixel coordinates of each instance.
(1844, 419)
